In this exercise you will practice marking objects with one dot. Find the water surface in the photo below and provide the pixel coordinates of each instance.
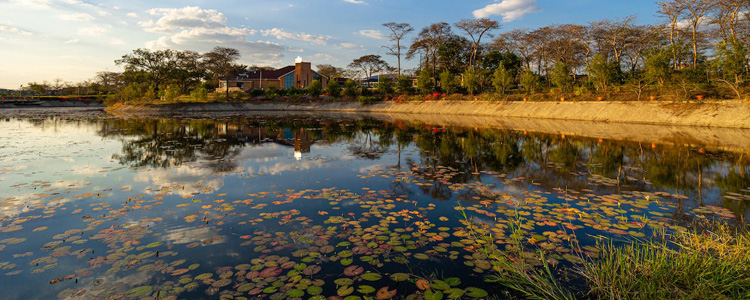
(313, 207)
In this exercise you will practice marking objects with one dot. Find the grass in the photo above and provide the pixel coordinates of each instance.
(710, 264)
(710, 261)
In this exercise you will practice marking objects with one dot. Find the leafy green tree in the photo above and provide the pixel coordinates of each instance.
(561, 77)
(404, 85)
(425, 83)
(333, 89)
(502, 79)
(730, 65)
(471, 80)
(385, 86)
(530, 82)
(658, 65)
(448, 82)
(603, 72)
(350, 88)
(315, 88)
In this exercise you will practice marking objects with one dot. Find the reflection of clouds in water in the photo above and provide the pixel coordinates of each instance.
(27, 203)
(87, 170)
(291, 166)
(190, 235)
(373, 168)
(266, 151)
(113, 284)
(31, 201)
(185, 177)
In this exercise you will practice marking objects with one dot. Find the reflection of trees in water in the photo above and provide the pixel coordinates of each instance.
(551, 161)
(165, 143)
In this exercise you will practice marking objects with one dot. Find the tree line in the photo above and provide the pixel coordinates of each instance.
(699, 48)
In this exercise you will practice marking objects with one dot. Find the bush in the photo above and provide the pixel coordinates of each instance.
(366, 100)
(315, 88)
(272, 92)
(404, 85)
(350, 89)
(257, 93)
(200, 93)
(333, 89)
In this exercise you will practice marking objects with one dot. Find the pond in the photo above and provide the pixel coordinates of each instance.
(306, 207)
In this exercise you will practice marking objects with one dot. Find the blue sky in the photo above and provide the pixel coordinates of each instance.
(74, 39)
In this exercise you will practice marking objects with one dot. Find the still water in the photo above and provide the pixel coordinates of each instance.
(323, 208)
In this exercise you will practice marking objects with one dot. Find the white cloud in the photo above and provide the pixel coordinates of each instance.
(32, 3)
(132, 15)
(347, 45)
(355, 1)
(14, 30)
(281, 34)
(116, 41)
(324, 57)
(174, 19)
(509, 10)
(81, 17)
(93, 30)
(374, 34)
(73, 41)
(193, 28)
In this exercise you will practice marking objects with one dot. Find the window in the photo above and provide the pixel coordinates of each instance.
(289, 81)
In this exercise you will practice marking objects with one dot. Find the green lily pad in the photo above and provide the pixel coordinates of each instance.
(369, 276)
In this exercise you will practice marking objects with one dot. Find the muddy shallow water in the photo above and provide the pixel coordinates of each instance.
(269, 207)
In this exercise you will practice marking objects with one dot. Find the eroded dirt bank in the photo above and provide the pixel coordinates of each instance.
(731, 114)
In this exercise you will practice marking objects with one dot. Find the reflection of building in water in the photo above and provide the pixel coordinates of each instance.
(301, 139)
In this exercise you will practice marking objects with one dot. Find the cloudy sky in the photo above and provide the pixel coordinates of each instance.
(73, 39)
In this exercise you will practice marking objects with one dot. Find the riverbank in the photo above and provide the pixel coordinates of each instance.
(50, 103)
(727, 114)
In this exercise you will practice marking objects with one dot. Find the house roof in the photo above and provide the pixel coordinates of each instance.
(267, 74)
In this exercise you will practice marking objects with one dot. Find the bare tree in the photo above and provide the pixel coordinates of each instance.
(398, 31)
(476, 29)
(696, 13)
(672, 10)
(613, 33)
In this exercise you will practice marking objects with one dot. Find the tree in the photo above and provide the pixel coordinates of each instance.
(404, 85)
(602, 71)
(529, 82)
(730, 64)
(428, 42)
(476, 29)
(330, 71)
(109, 82)
(153, 65)
(502, 79)
(333, 89)
(448, 82)
(560, 76)
(220, 62)
(350, 89)
(398, 31)
(315, 88)
(672, 10)
(471, 80)
(696, 12)
(424, 82)
(657, 66)
(369, 64)
(385, 85)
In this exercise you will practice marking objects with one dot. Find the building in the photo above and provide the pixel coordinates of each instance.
(298, 76)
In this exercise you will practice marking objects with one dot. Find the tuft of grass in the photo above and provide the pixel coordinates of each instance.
(511, 267)
(710, 264)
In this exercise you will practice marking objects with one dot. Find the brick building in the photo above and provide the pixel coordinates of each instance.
(298, 76)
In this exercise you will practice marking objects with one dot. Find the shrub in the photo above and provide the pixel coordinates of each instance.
(315, 88)
(366, 100)
(350, 89)
(333, 89)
